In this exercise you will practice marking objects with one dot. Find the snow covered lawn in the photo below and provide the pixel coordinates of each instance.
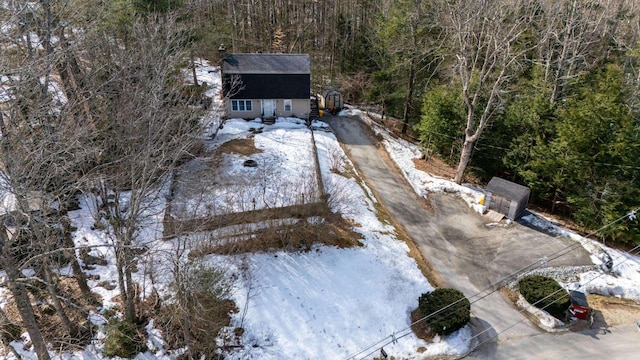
(329, 302)
(284, 174)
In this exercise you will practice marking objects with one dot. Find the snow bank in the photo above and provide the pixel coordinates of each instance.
(404, 152)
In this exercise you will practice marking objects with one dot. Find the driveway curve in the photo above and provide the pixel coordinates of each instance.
(466, 254)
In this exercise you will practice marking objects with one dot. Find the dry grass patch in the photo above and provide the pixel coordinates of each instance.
(293, 237)
(207, 320)
(421, 330)
(614, 310)
(245, 147)
(511, 295)
(438, 167)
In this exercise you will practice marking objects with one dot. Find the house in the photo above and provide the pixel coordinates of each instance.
(266, 85)
(506, 197)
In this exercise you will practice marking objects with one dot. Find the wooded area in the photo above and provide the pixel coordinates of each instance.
(545, 93)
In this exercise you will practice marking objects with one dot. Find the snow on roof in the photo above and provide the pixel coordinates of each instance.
(267, 64)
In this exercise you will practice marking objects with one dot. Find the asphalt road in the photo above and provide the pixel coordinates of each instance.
(473, 258)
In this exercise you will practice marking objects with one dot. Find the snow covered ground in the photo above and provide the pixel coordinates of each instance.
(331, 302)
(327, 303)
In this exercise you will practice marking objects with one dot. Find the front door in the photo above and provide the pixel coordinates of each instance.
(268, 108)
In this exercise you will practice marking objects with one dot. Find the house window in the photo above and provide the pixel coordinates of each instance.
(287, 105)
(241, 105)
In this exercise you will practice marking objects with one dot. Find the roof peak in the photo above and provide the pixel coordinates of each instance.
(266, 63)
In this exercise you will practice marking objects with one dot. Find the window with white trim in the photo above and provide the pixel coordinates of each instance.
(241, 105)
(288, 105)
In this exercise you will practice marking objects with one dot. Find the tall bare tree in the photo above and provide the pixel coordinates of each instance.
(484, 38)
(575, 36)
(43, 150)
(147, 128)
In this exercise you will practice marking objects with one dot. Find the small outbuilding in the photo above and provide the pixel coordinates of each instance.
(506, 197)
(333, 100)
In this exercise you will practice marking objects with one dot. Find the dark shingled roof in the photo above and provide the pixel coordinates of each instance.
(508, 189)
(267, 64)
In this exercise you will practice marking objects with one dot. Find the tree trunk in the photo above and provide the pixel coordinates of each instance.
(3, 127)
(69, 328)
(4, 321)
(21, 298)
(28, 317)
(125, 289)
(78, 274)
(407, 102)
(193, 67)
(131, 293)
(71, 75)
(465, 156)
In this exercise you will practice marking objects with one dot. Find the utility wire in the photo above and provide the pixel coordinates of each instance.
(537, 302)
(395, 337)
(493, 287)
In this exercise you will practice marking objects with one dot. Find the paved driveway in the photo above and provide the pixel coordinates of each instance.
(466, 254)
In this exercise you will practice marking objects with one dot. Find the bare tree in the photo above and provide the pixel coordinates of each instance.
(483, 36)
(42, 151)
(575, 36)
(21, 297)
(147, 130)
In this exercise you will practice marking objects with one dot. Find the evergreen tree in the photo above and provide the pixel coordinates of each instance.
(528, 122)
(408, 44)
(593, 161)
(442, 122)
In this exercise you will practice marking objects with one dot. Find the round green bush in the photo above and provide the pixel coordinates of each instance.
(545, 293)
(446, 321)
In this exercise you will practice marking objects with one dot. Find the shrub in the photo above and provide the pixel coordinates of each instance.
(450, 319)
(122, 339)
(193, 318)
(545, 293)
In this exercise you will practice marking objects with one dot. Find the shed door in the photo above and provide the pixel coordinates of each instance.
(268, 108)
(499, 204)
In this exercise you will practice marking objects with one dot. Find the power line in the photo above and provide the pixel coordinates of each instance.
(395, 338)
(493, 287)
(555, 255)
(522, 320)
